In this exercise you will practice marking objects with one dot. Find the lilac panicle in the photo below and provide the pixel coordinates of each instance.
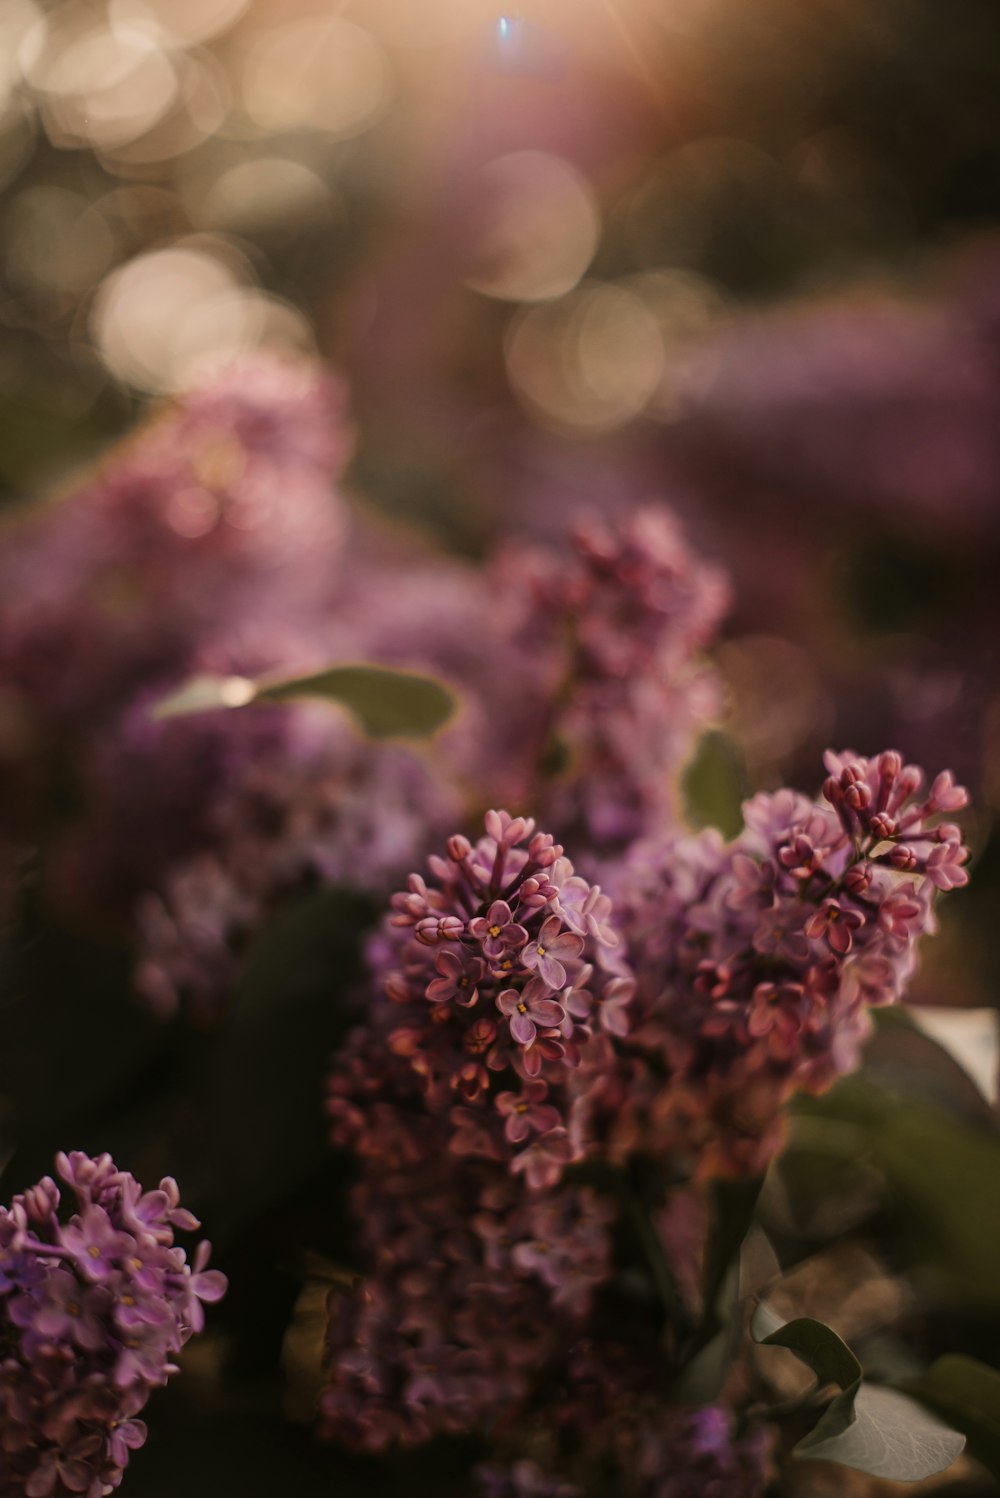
(529, 1024)
(684, 1453)
(326, 807)
(603, 645)
(493, 973)
(481, 1259)
(757, 960)
(219, 508)
(215, 521)
(695, 1453)
(93, 1311)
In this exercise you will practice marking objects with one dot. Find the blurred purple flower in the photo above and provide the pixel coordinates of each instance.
(81, 1358)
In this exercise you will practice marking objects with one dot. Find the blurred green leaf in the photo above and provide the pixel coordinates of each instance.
(385, 702)
(868, 1427)
(816, 1344)
(905, 1060)
(942, 1174)
(967, 1393)
(714, 784)
(887, 1435)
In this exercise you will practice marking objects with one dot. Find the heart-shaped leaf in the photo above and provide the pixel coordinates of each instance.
(869, 1427)
(888, 1435)
(386, 703)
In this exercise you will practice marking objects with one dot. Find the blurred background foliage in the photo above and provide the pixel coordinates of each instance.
(738, 253)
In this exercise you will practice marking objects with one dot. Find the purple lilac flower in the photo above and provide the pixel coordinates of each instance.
(452, 1321)
(93, 1312)
(481, 1260)
(498, 931)
(209, 540)
(756, 961)
(524, 1479)
(527, 1112)
(695, 1453)
(341, 812)
(601, 649)
(530, 1010)
(543, 954)
(482, 940)
(173, 537)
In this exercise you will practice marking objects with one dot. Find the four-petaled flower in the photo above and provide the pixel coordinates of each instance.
(497, 931)
(527, 1112)
(460, 973)
(837, 923)
(554, 946)
(544, 1160)
(780, 933)
(530, 1011)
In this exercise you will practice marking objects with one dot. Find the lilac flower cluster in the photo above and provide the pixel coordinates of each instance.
(610, 682)
(214, 531)
(609, 1405)
(756, 961)
(496, 989)
(480, 1257)
(472, 1289)
(594, 652)
(219, 510)
(695, 1453)
(525, 1479)
(326, 809)
(513, 1042)
(93, 1311)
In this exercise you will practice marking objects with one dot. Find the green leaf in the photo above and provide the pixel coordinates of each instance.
(871, 1428)
(966, 1393)
(906, 1061)
(886, 1435)
(943, 1178)
(715, 784)
(813, 1341)
(386, 703)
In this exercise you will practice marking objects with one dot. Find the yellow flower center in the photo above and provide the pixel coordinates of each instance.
(494, 932)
